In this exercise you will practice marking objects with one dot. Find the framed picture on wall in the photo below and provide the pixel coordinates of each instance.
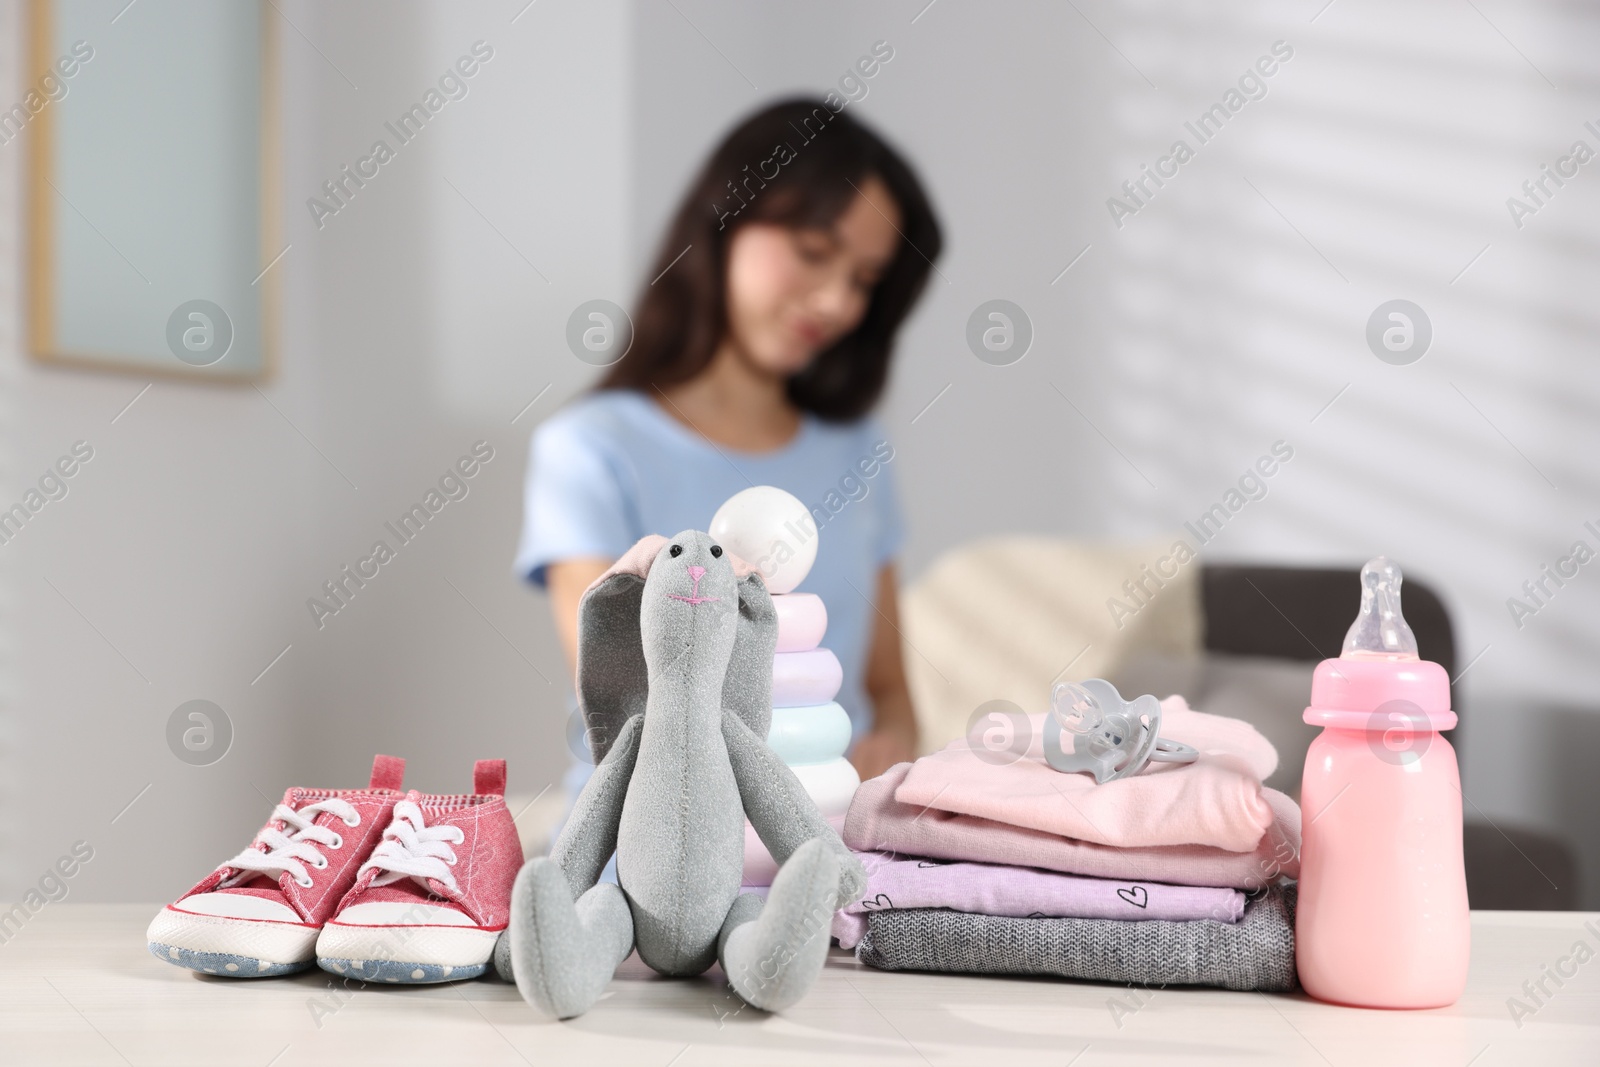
(153, 237)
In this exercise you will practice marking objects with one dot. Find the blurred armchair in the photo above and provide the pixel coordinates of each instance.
(1006, 618)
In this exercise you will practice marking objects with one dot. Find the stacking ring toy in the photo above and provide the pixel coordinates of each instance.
(812, 734)
(803, 678)
(802, 620)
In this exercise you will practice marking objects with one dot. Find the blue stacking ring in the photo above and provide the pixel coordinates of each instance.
(813, 734)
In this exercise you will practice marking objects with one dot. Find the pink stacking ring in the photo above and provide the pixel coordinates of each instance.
(803, 678)
(802, 620)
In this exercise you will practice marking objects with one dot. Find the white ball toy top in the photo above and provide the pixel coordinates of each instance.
(770, 530)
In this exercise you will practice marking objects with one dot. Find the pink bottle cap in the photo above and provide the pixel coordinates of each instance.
(1379, 675)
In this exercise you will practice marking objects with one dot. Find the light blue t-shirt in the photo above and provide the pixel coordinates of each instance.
(614, 466)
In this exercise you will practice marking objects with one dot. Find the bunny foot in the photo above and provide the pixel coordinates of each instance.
(772, 954)
(502, 956)
(561, 954)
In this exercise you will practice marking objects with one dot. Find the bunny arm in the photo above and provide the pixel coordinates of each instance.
(777, 806)
(590, 835)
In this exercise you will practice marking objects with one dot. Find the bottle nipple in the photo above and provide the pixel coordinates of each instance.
(1380, 630)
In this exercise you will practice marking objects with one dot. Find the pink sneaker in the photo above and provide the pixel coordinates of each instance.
(259, 914)
(431, 900)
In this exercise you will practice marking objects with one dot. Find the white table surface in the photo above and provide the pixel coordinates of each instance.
(77, 986)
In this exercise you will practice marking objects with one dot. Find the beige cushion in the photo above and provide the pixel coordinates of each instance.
(1005, 618)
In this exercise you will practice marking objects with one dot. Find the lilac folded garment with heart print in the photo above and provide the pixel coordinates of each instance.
(879, 822)
(991, 889)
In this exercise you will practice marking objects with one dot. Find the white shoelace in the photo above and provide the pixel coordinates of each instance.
(410, 849)
(293, 851)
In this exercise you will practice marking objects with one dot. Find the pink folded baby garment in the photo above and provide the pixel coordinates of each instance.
(1023, 892)
(1216, 800)
(877, 821)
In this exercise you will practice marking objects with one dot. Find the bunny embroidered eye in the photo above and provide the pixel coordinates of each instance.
(716, 551)
(677, 550)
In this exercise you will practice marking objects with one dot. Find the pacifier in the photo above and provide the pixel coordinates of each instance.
(1112, 737)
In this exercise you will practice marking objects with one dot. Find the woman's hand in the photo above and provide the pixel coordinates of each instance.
(882, 748)
(893, 737)
(566, 580)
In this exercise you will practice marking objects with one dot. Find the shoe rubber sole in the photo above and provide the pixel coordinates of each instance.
(396, 971)
(412, 955)
(224, 964)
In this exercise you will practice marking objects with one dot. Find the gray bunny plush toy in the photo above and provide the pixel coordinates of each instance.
(675, 647)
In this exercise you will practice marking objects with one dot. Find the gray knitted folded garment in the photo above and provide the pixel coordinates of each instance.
(1255, 953)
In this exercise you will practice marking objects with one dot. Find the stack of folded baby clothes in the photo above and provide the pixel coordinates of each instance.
(1174, 876)
(810, 731)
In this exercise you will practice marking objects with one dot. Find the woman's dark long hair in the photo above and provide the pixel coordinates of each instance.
(795, 163)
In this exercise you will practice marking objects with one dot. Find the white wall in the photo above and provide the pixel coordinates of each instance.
(1193, 337)
(194, 538)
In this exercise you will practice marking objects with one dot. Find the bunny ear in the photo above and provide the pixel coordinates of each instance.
(612, 680)
(747, 688)
(636, 561)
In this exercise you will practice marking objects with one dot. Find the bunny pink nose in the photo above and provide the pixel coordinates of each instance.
(697, 573)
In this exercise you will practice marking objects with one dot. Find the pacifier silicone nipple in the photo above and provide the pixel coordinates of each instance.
(1380, 630)
(1075, 708)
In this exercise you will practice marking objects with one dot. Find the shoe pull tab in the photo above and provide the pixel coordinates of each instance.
(388, 772)
(489, 777)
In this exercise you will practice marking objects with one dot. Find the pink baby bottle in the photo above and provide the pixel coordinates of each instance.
(1382, 919)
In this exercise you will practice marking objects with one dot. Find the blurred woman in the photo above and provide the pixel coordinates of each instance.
(758, 353)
